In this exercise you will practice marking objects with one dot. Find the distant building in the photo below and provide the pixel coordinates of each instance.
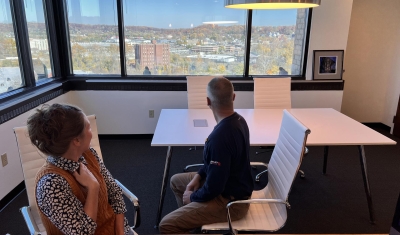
(216, 58)
(206, 49)
(40, 44)
(152, 55)
(10, 78)
(230, 48)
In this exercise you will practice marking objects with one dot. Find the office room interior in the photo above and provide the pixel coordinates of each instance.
(367, 30)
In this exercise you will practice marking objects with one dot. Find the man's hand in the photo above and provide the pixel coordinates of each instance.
(186, 197)
(194, 183)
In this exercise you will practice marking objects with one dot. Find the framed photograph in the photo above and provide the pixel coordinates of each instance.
(328, 64)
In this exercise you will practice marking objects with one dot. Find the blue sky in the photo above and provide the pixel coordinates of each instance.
(179, 13)
(160, 13)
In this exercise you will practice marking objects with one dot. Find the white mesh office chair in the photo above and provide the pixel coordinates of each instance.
(267, 210)
(197, 98)
(32, 160)
(272, 93)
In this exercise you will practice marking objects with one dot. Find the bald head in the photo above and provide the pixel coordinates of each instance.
(220, 93)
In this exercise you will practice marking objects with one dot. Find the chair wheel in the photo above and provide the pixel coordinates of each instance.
(184, 170)
(302, 176)
(257, 153)
(254, 167)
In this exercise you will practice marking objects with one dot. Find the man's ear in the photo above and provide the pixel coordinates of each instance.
(208, 101)
(234, 96)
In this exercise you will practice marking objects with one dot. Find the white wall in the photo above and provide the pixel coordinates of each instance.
(329, 31)
(329, 28)
(127, 112)
(11, 175)
(372, 78)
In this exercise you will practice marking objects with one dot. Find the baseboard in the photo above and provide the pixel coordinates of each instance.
(125, 137)
(377, 125)
(11, 195)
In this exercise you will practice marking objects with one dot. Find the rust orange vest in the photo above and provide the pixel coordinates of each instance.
(105, 214)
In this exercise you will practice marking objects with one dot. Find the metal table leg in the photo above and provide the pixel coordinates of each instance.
(326, 151)
(363, 162)
(163, 186)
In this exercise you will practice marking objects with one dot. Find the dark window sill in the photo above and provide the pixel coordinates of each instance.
(26, 99)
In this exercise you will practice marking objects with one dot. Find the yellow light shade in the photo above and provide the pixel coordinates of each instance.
(271, 4)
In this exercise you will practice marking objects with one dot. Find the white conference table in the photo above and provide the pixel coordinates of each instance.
(328, 127)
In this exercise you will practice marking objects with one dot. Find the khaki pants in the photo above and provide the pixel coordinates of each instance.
(196, 214)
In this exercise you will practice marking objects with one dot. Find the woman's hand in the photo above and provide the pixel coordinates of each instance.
(86, 178)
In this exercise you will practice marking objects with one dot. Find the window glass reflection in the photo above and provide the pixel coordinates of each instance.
(39, 44)
(10, 73)
(277, 42)
(181, 37)
(94, 37)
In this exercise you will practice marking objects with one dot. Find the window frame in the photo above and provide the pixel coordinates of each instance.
(56, 19)
(124, 75)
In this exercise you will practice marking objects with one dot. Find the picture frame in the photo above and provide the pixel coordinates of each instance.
(328, 64)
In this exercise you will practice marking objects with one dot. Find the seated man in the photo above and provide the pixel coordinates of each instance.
(226, 174)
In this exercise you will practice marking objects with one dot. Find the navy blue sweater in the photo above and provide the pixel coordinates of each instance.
(226, 168)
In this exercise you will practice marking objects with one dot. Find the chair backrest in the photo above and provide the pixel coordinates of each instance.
(32, 160)
(286, 157)
(272, 93)
(197, 91)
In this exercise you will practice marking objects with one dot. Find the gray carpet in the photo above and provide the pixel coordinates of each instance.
(324, 204)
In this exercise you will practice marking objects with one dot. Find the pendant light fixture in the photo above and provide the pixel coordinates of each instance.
(271, 4)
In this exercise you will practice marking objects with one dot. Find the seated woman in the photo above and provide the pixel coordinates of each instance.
(75, 193)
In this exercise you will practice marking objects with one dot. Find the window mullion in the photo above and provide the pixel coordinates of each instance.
(121, 33)
(22, 42)
(52, 37)
(247, 43)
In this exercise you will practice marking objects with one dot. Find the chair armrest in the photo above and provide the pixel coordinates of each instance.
(251, 201)
(135, 201)
(258, 164)
(258, 201)
(32, 227)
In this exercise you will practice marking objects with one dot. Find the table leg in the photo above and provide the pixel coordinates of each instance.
(163, 186)
(363, 161)
(326, 150)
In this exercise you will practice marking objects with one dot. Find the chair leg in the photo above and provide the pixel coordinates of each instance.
(302, 174)
(189, 166)
(194, 148)
(260, 174)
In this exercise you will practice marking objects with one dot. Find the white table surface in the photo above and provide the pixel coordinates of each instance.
(328, 127)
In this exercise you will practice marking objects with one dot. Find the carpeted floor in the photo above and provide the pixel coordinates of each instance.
(321, 204)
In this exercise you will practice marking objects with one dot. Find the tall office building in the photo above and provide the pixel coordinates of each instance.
(5, 12)
(152, 55)
(76, 16)
(39, 11)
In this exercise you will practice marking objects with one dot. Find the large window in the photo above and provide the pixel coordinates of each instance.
(93, 34)
(277, 42)
(38, 41)
(197, 37)
(172, 37)
(10, 73)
